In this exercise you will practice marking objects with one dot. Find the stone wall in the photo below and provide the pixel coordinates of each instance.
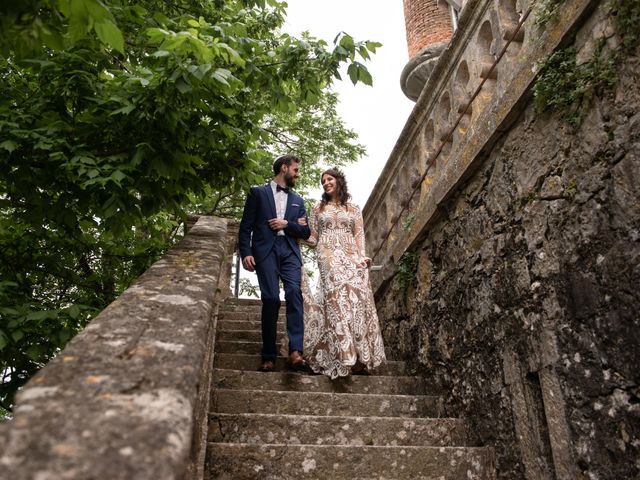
(128, 397)
(527, 236)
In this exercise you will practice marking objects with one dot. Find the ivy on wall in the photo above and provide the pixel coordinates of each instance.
(567, 87)
(407, 270)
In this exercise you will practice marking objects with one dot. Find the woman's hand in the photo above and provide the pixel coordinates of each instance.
(365, 262)
(302, 221)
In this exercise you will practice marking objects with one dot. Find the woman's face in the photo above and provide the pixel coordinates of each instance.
(329, 184)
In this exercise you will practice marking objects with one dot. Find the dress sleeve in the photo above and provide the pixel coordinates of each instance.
(358, 231)
(312, 241)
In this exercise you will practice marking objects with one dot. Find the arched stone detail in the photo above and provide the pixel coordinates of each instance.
(383, 214)
(509, 14)
(372, 236)
(429, 136)
(417, 166)
(444, 119)
(462, 96)
(487, 52)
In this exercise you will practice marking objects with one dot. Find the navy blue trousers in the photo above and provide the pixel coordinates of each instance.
(281, 264)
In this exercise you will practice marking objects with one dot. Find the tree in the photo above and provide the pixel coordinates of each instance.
(117, 118)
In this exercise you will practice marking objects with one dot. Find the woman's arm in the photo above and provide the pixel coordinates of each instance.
(312, 241)
(358, 233)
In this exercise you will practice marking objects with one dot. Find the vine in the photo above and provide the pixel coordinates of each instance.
(407, 270)
(568, 87)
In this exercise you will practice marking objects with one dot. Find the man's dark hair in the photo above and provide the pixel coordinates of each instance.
(284, 160)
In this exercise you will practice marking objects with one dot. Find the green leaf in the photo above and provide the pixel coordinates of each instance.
(96, 10)
(36, 353)
(110, 34)
(9, 145)
(365, 76)
(353, 73)
(4, 340)
(117, 177)
(127, 109)
(183, 85)
(373, 46)
(161, 53)
(40, 315)
(17, 335)
(74, 311)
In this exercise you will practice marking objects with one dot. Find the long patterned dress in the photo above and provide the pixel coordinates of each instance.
(341, 325)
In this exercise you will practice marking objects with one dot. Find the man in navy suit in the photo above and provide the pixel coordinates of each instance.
(268, 245)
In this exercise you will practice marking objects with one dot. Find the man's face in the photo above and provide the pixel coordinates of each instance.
(291, 174)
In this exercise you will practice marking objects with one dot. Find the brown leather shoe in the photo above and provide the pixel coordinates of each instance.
(266, 366)
(296, 361)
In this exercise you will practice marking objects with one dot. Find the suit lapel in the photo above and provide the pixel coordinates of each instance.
(272, 202)
(289, 202)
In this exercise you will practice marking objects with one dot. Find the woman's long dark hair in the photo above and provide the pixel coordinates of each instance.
(342, 192)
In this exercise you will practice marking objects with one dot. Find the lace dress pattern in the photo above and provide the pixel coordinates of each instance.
(341, 324)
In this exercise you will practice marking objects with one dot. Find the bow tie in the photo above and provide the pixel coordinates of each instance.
(283, 189)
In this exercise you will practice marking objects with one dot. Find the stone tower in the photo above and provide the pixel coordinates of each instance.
(429, 26)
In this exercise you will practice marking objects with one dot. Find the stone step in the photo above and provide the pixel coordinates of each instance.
(301, 382)
(231, 346)
(225, 400)
(242, 301)
(245, 335)
(284, 462)
(241, 361)
(307, 429)
(251, 316)
(226, 324)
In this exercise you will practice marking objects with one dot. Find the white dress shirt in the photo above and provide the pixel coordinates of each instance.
(280, 199)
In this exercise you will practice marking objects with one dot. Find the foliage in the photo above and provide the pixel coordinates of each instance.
(627, 17)
(566, 86)
(248, 288)
(407, 270)
(4, 415)
(408, 221)
(117, 118)
(547, 11)
(313, 132)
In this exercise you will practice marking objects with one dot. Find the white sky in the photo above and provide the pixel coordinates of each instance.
(376, 113)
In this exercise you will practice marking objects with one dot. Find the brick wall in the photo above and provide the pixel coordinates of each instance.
(427, 22)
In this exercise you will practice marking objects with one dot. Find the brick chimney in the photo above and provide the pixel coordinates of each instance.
(429, 29)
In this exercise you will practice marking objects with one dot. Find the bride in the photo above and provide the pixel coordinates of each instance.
(342, 333)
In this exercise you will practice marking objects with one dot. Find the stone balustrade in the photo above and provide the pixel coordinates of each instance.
(472, 95)
(128, 397)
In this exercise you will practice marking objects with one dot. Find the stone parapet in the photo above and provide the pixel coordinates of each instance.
(474, 91)
(128, 397)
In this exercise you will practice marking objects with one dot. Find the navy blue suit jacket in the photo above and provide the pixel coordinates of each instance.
(255, 237)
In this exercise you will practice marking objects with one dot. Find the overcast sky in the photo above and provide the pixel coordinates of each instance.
(376, 113)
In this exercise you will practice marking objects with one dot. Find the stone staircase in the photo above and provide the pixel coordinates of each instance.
(286, 425)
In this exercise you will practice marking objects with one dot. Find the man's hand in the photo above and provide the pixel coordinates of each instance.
(278, 224)
(249, 263)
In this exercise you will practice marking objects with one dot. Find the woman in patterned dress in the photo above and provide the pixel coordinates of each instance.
(342, 333)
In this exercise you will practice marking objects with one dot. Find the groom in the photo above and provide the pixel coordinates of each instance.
(267, 240)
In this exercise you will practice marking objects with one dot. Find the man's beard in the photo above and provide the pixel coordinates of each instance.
(289, 180)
